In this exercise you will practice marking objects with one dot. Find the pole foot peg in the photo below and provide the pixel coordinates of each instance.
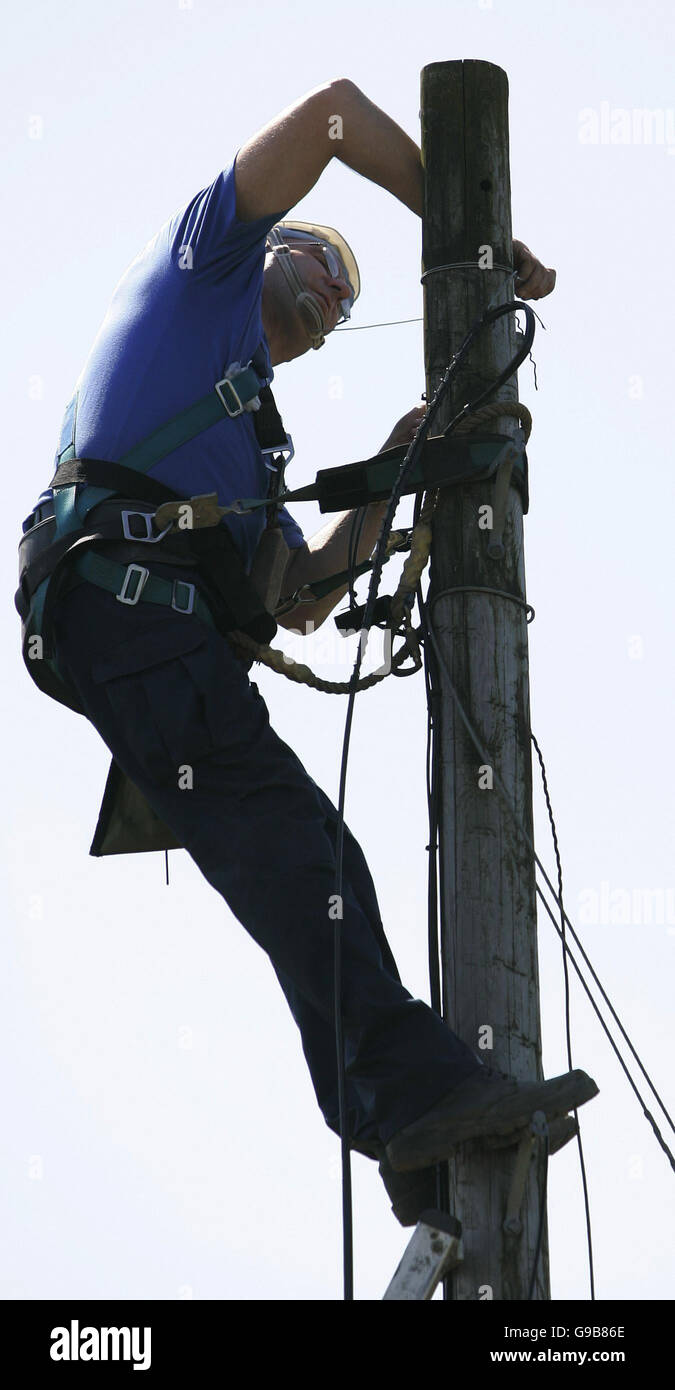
(560, 1131)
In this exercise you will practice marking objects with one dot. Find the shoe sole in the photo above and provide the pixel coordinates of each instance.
(434, 1139)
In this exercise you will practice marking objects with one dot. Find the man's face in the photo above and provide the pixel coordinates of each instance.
(329, 289)
(286, 326)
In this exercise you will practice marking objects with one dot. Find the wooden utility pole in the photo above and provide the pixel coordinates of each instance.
(488, 904)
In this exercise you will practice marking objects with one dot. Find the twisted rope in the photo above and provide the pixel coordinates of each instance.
(284, 665)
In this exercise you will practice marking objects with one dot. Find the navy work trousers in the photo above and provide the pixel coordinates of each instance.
(165, 692)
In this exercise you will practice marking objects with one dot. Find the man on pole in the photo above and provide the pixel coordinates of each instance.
(168, 410)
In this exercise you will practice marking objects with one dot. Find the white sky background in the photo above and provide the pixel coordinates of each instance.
(166, 1170)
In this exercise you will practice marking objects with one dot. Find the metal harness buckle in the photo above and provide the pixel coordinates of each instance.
(147, 520)
(286, 450)
(224, 389)
(189, 605)
(140, 575)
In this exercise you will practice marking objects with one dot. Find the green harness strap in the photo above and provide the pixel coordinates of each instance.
(228, 399)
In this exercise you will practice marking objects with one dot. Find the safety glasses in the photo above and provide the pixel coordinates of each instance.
(337, 271)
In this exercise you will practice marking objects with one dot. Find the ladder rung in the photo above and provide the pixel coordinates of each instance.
(434, 1248)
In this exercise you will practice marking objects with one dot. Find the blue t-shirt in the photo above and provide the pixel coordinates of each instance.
(187, 307)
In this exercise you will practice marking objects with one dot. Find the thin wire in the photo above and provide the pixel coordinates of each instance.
(442, 1172)
(568, 1031)
(393, 323)
(468, 265)
(433, 810)
(347, 1240)
(355, 530)
(540, 1228)
(433, 850)
(359, 327)
(645, 1111)
(503, 792)
(376, 574)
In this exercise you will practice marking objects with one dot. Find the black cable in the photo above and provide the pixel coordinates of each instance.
(433, 808)
(647, 1113)
(348, 1255)
(582, 1164)
(566, 951)
(356, 529)
(442, 1176)
(432, 847)
(347, 1237)
(540, 1228)
(407, 464)
(355, 532)
(410, 458)
(518, 822)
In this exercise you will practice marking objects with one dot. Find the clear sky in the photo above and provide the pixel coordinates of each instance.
(161, 1137)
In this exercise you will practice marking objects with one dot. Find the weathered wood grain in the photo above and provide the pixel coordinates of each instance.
(489, 944)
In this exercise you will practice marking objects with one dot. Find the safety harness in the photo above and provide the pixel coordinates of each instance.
(99, 518)
(89, 525)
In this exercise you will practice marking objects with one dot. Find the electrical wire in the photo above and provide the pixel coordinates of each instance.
(435, 979)
(355, 530)
(347, 1225)
(568, 1033)
(566, 952)
(518, 821)
(359, 327)
(540, 1227)
(487, 318)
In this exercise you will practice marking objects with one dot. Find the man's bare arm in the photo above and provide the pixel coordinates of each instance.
(283, 161)
(327, 552)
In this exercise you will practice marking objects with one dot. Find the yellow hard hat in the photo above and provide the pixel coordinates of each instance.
(316, 232)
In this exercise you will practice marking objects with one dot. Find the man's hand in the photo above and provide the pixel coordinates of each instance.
(406, 428)
(534, 280)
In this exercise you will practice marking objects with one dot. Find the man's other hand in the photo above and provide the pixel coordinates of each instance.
(405, 429)
(534, 280)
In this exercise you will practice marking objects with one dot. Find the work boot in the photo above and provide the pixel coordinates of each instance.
(412, 1193)
(482, 1106)
(409, 1193)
